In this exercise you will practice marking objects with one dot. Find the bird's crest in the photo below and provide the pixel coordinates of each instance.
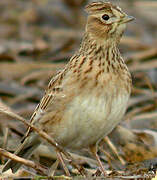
(97, 7)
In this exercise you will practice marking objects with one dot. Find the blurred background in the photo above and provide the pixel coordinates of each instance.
(37, 38)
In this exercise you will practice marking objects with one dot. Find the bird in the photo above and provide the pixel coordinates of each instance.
(86, 100)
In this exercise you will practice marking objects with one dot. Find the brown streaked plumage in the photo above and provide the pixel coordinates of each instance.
(85, 101)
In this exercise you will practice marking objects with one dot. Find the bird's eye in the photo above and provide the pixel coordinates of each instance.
(106, 17)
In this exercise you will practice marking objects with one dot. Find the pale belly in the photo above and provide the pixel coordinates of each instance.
(88, 119)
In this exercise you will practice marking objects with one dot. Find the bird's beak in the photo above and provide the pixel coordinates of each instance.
(127, 19)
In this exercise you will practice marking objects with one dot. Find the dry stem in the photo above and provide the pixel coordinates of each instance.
(26, 162)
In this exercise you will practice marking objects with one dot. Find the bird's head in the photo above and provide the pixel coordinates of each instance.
(106, 21)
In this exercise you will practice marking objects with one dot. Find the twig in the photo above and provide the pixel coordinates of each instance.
(111, 145)
(26, 162)
(5, 141)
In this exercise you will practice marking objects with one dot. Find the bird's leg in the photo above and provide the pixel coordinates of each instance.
(93, 150)
(60, 157)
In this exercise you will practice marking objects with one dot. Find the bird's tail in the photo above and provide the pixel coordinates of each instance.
(25, 150)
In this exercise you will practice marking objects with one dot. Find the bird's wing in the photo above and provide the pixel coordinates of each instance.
(54, 94)
(60, 91)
